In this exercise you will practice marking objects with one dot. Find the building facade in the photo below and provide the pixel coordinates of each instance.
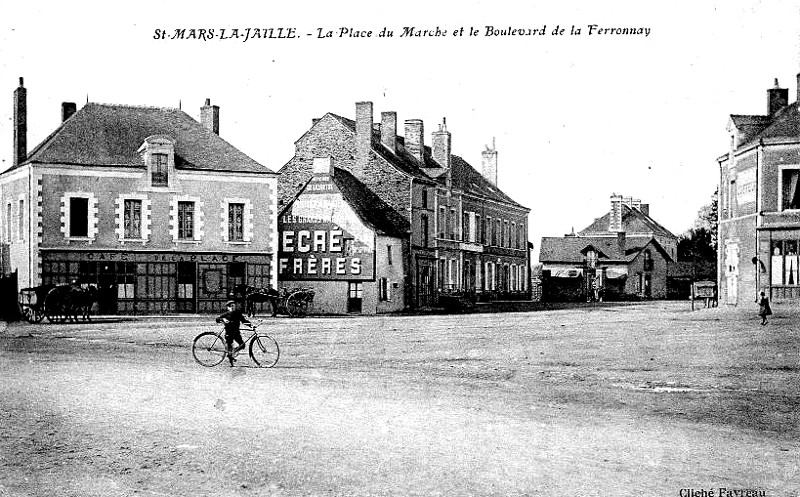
(340, 238)
(623, 254)
(450, 247)
(147, 203)
(759, 204)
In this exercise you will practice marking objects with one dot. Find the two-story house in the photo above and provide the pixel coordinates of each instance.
(145, 202)
(759, 203)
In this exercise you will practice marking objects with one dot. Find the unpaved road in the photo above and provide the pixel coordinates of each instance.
(639, 400)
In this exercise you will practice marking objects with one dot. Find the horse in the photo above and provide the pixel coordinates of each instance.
(252, 295)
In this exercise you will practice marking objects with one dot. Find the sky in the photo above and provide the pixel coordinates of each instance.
(575, 117)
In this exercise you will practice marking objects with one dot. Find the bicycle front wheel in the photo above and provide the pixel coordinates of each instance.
(209, 349)
(264, 350)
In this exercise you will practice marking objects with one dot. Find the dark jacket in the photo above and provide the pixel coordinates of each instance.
(234, 317)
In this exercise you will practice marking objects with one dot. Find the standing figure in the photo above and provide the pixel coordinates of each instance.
(764, 309)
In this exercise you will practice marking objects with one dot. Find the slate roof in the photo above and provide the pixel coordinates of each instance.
(572, 249)
(633, 221)
(368, 206)
(784, 124)
(110, 135)
(464, 176)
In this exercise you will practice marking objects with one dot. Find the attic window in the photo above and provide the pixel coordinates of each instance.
(159, 169)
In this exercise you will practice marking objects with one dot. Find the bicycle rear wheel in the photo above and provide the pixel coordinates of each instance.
(264, 350)
(209, 349)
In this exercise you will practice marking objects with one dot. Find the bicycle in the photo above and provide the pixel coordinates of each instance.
(209, 348)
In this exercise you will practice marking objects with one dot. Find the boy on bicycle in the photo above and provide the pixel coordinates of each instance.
(232, 318)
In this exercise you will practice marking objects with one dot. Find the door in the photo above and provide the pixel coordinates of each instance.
(425, 284)
(355, 295)
(732, 272)
(187, 283)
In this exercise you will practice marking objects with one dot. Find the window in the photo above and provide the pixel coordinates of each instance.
(648, 260)
(126, 280)
(506, 235)
(497, 235)
(465, 227)
(235, 222)
(424, 228)
(442, 221)
(487, 233)
(425, 198)
(384, 290)
(790, 194)
(478, 229)
(355, 290)
(389, 254)
(21, 224)
(78, 216)
(784, 263)
(186, 220)
(8, 223)
(159, 169)
(132, 218)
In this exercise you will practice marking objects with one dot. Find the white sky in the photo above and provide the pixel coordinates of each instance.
(575, 118)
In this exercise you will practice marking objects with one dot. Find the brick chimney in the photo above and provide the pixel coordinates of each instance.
(441, 146)
(489, 163)
(645, 208)
(798, 88)
(20, 124)
(615, 214)
(389, 130)
(777, 98)
(209, 117)
(415, 139)
(364, 118)
(67, 110)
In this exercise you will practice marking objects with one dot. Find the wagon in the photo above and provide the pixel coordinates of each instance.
(57, 303)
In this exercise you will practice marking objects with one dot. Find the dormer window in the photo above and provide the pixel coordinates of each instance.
(591, 258)
(159, 172)
(158, 154)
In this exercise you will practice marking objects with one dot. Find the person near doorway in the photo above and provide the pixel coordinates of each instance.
(232, 318)
(764, 309)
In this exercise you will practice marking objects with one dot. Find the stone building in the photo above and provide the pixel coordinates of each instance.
(463, 234)
(624, 253)
(147, 203)
(759, 203)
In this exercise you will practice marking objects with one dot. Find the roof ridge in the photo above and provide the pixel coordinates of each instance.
(135, 106)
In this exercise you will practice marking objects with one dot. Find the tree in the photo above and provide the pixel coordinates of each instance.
(699, 243)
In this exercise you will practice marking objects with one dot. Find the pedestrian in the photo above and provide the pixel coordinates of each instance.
(763, 308)
(232, 319)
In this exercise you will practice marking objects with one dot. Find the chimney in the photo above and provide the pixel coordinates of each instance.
(209, 116)
(798, 88)
(323, 166)
(363, 137)
(645, 208)
(489, 163)
(389, 130)
(636, 204)
(441, 146)
(415, 139)
(621, 242)
(20, 124)
(67, 109)
(615, 214)
(777, 98)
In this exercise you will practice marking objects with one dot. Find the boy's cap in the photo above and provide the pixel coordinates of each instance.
(230, 302)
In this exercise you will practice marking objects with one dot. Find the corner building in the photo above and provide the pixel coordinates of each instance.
(463, 235)
(147, 203)
(759, 204)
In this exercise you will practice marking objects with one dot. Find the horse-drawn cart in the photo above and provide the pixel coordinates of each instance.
(57, 303)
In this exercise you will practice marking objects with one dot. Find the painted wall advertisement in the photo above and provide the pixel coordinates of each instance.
(318, 250)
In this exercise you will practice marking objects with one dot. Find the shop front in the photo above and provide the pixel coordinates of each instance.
(157, 282)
